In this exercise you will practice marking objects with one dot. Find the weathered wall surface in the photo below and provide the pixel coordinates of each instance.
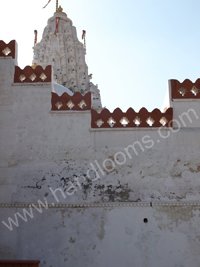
(152, 175)
(107, 236)
(55, 156)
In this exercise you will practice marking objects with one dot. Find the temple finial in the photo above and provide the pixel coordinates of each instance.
(56, 5)
(59, 9)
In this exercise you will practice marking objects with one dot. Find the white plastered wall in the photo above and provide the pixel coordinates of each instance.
(105, 227)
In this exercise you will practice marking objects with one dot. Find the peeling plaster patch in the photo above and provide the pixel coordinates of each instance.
(110, 167)
(87, 186)
(59, 175)
(171, 179)
(196, 169)
(179, 167)
(72, 240)
(170, 217)
(101, 234)
(113, 193)
(176, 173)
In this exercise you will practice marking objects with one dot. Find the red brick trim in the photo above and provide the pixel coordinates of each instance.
(11, 46)
(37, 72)
(156, 115)
(186, 86)
(76, 99)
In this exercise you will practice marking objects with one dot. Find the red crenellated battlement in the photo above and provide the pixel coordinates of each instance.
(104, 119)
(30, 75)
(186, 89)
(8, 50)
(67, 102)
(130, 118)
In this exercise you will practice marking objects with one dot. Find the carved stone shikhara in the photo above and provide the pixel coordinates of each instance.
(66, 54)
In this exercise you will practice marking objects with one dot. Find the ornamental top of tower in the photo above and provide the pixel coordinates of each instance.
(61, 48)
(60, 9)
(59, 12)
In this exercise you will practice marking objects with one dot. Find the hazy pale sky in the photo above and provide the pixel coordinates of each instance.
(133, 47)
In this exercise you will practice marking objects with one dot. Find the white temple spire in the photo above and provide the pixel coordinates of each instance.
(66, 54)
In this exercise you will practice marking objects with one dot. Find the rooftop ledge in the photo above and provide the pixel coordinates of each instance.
(8, 57)
(186, 100)
(140, 129)
(59, 112)
(32, 84)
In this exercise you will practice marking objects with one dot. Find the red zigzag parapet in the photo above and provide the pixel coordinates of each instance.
(8, 50)
(119, 119)
(67, 102)
(30, 75)
(187, 89)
